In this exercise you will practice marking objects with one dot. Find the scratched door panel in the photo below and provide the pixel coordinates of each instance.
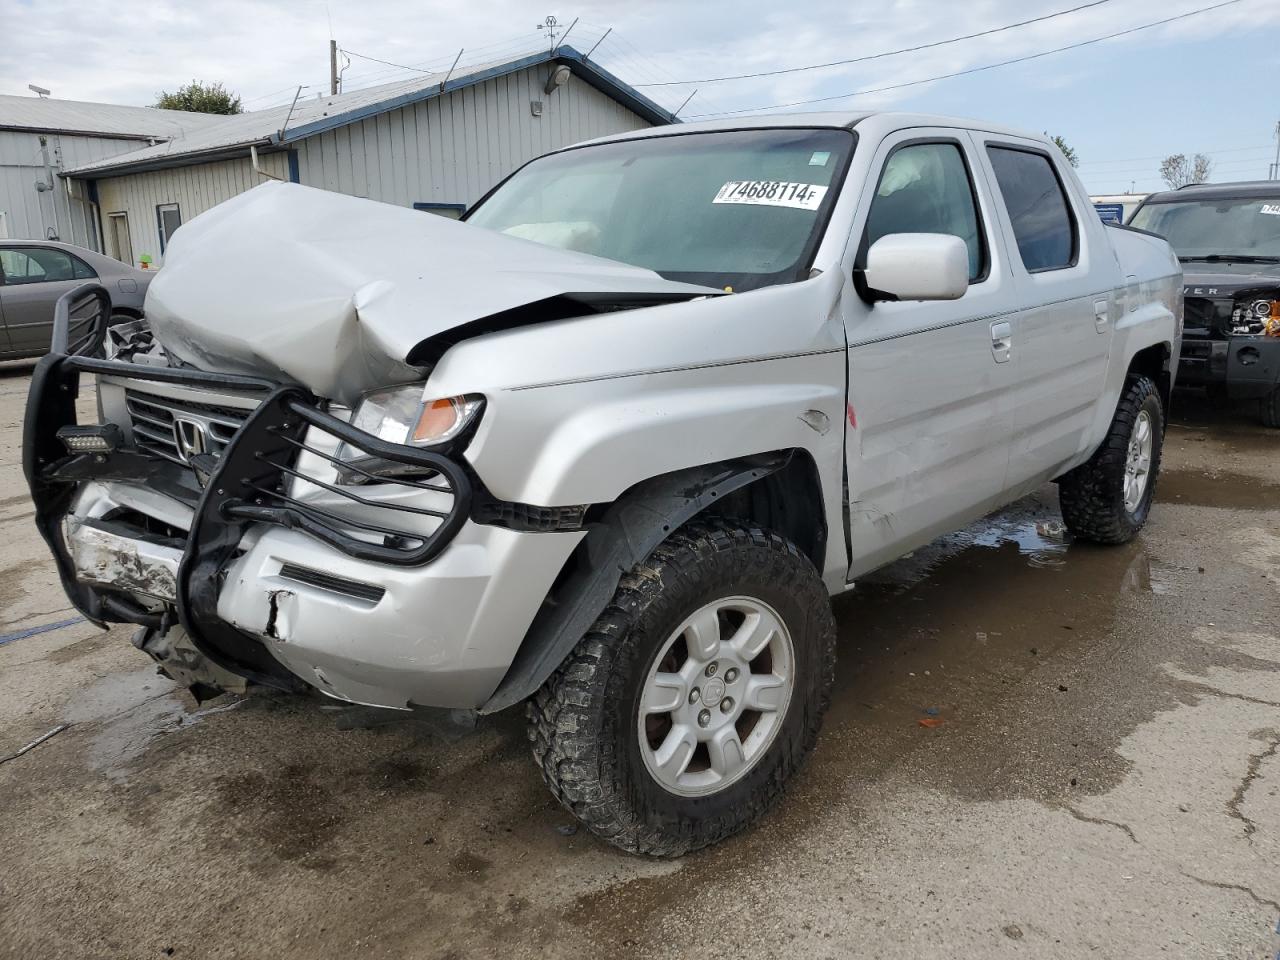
(931, 412)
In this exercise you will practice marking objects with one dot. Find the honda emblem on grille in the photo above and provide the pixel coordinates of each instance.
(191, 437)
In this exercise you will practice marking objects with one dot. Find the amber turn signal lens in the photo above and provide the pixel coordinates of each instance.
(439, 419)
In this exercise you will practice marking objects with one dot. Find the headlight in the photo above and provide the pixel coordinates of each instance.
(1259, 318)
(405, 414)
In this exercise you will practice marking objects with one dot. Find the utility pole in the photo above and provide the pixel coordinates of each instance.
(1275, 167)
(333, 67)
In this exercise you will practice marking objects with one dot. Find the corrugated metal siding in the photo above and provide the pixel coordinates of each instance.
(31, 214)
(449, 149)
(454, 148)
(194, 189)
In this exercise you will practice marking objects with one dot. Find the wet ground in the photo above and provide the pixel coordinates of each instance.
(1036, 749)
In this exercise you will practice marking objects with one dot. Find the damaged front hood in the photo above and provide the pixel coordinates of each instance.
(335, 293)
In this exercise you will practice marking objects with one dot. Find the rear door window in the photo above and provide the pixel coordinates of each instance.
(1042, 221)
(36, 265)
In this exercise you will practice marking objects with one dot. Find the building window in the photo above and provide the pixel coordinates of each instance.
(453, 211)
(169, 219)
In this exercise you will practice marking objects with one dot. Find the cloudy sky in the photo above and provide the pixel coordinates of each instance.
(1207, 83)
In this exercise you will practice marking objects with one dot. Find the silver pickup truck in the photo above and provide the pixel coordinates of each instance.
(606, 447)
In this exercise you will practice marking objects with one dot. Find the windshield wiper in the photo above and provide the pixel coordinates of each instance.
(1230, 258)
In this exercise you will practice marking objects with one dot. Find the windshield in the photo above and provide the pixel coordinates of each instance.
(740, 209)
(1202, 228)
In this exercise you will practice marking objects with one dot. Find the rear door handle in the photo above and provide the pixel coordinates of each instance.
(1001, 340)
(1101, 315)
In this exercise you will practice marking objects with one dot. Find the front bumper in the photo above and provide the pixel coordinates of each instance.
(440, 635)
(409, 592)
(1247, 367)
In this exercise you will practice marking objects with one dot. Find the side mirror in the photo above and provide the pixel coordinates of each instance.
(917, 266)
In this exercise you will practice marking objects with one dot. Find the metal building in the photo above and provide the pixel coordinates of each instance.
(435, 143)
(40, 139)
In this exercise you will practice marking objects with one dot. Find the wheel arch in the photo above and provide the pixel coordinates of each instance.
(780, 490)
(1156, 363)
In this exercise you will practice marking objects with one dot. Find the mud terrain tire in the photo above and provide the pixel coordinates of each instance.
(1092, 496)
(584, 724)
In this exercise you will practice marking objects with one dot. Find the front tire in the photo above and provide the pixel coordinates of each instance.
(1108, 499)
(679, 719)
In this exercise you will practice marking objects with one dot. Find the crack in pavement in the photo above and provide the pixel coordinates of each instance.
(1218, 885)
(1099, 821)
(1215, 692)
(48, 613)
(1251, 774)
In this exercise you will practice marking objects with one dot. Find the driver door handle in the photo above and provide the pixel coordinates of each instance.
(1001, 340)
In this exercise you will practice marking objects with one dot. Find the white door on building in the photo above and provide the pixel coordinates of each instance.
(118, 231)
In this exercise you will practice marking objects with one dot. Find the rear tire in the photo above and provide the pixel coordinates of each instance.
(679, 719)
(1270, 409)
(1108, 499)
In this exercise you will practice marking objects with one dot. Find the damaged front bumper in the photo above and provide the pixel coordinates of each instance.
(276, 571)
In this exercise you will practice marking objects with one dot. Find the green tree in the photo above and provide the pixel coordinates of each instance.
(1067, 150)
(200, 98)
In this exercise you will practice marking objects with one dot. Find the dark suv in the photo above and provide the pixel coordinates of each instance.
(1227, 236)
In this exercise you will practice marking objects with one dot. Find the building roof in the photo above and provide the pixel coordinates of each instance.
(39, 115)
(1242, 190)
(279, 126)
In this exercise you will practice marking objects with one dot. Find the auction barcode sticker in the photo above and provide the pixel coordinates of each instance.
(773, 193)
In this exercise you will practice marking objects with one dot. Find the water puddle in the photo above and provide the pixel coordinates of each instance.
(1217, 488)
(126, 712)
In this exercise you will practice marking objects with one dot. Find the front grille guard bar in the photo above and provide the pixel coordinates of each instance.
(253, 473)
(245, 485)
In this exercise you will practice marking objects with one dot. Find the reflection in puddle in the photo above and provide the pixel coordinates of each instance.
(1028, 535)
(1043, 542)
(128, 711)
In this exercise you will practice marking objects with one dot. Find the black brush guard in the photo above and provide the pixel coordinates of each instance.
(248, 484)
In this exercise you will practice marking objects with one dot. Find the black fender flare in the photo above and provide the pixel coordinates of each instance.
(628, 531)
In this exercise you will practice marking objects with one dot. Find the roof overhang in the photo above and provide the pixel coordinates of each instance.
(233, 151)
(68, 132)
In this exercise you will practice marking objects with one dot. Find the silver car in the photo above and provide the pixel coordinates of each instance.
(35, 273)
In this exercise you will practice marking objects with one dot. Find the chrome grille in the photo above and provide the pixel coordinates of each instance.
(176, 429)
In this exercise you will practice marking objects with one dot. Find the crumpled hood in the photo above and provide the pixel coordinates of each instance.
(334, 292)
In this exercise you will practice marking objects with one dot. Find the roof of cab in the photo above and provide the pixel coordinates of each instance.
(871, 123)
(1242, 190)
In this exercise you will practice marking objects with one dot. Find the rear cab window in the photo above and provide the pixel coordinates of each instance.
(1044, 225)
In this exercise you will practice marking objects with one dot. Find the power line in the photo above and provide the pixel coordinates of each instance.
(1091, 163)
(971, 70)
(887, 53)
